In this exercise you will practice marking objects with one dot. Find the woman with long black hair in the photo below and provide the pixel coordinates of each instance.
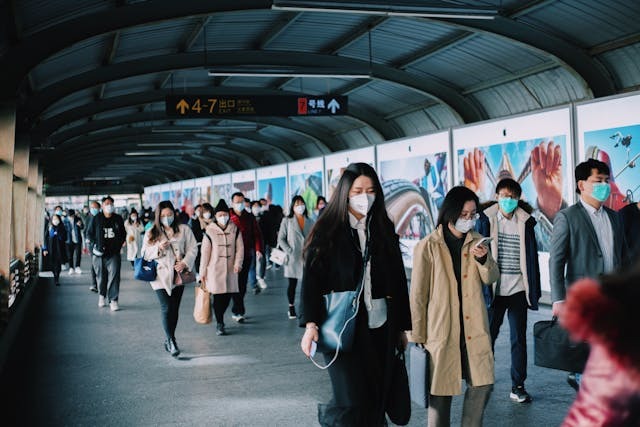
(175, 249)
(355, 223)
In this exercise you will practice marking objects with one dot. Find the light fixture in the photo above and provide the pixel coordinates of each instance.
(269, 74)
(101, 178)
(214, 129)
(143, 153)
(383, 8)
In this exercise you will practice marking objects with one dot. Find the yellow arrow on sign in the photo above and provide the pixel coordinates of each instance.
(182, 106)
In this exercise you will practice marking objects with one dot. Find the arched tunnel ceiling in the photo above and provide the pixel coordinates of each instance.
(89, 78)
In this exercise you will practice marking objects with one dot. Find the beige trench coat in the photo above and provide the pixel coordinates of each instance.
(133, 246)
(186, 244)
(435, 307)
(218, 256)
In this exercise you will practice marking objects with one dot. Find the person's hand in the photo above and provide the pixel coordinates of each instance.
(258, 254)
(237, 269)
(546, 172)
(474, 175)
(180, 266)
(557, 308)
(310, 334)
(479, 251)
(164, 245)
(45, 253)
(402, 340)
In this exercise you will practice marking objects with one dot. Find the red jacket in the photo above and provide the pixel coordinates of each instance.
(609, 393)
(251, 235)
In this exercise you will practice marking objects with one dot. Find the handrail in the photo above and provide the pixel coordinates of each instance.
(22, 274)
(16, 271)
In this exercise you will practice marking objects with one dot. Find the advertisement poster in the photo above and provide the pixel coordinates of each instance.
(534, 150)
(415, 177)
(165, 193)
(245, 183)
(202, 193)
(272, 184)
(185, 203)
(305, 179)
(609, 131)
(336, 163)
(221, 188)
(175, 194)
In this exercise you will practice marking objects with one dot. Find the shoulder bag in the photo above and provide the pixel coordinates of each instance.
(398, 402)
(277, 256)
(338, 328)
(554, 349)
(202, 307)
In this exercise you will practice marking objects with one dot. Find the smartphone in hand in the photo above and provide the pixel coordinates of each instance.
(484, 241)
(314, 348)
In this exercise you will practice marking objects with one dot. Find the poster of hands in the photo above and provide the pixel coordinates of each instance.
(539, 165)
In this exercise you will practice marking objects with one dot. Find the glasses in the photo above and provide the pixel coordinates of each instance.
(469, 215)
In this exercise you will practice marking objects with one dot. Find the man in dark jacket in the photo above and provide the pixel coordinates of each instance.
(73, 225)
(514, 246)
(107, 233)
(252, 239)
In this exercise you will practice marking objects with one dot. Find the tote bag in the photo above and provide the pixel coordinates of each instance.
(202, 307)
(419, 379)
(277, 256)
(145, 270)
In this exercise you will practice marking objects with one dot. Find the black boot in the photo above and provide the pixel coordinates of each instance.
(220, 329)
(172, 347)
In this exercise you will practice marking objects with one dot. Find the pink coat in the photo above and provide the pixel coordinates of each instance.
(221, 250)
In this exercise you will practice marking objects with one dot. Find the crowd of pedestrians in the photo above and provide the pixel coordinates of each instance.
(478, 265)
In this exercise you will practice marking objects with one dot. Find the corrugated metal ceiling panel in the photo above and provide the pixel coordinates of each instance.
(625, 65)
(606, 20)
(234, 30)
(81, 57)
(36, 15)
(76, 99)
(383, 98)
(152, 40)
(316, 32)
(413, 35)
(133, 84)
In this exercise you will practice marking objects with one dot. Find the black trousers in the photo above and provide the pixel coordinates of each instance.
(238, 298)
(516, 308)
(220, 304)
(291, 290)
(169, 306)
(357, 379)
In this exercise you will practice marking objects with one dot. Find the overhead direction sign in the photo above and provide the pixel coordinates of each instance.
(202, 106)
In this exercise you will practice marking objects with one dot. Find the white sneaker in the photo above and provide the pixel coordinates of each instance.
(114, 306)
(238, 318)
(70, 271)
(78, 271)
(102, 301)
(262, 283)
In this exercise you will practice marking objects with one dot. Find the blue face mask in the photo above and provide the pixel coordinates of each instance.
(601, 191)
(94, 211)
(507, 204)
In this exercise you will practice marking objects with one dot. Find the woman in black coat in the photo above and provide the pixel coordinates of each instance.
(54, 247)
(353, 224)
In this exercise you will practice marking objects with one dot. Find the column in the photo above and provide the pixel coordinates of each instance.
(20, 187)
(32, 199)
(7, 143)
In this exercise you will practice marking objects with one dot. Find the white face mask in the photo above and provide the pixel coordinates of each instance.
(134, 217)
(206, 215)
(166, 221)
(55, 221)
(108, 209)
(197, 213)
(362, 203)
(239, 207)
(222, 220)
(464, 225)
(247, 208)
(255, 211)
(299, 209)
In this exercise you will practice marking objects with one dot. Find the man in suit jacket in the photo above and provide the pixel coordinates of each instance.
(588, 238)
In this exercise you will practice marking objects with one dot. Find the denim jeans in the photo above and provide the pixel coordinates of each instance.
(169, 306)
(252, 280)
(516, 307)
(238, 298)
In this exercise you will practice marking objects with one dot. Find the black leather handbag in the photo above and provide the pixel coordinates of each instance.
(398, 404)
(554, 349)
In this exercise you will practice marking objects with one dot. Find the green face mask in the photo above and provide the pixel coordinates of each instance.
(601, 191)
(507, 204)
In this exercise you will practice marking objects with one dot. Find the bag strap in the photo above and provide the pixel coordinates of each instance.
(359, 289)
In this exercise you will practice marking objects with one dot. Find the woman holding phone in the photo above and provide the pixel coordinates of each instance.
(353, 224)
(448, 311)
